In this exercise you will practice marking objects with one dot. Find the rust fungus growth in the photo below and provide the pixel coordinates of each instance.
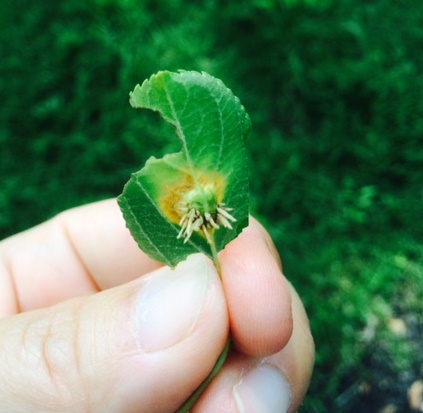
(197, 205)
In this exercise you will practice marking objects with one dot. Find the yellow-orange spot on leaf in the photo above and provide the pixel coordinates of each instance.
(174, 194)
(170, 201)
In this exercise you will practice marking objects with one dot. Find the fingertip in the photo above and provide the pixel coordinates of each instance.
(277, 383)
(258, 295)
(257, 227)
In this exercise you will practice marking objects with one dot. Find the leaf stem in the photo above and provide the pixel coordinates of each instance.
(215, 258)
(223, 355)
(200, 389)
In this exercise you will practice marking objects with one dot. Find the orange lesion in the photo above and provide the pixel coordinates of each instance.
(173, 194)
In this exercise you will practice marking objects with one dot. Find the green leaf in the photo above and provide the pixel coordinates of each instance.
(209, 175)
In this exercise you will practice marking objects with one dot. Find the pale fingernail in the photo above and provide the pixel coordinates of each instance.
(170, 303)
(264, 389)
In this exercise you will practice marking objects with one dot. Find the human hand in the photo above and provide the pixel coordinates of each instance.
(91, 324)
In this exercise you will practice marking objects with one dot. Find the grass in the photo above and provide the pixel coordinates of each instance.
(334, 92)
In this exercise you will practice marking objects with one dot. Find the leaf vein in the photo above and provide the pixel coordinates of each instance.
(179, 129)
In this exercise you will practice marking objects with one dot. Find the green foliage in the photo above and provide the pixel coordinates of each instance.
(334, 93)
(190, 189)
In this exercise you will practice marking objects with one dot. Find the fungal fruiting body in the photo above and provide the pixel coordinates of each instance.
(201, 212)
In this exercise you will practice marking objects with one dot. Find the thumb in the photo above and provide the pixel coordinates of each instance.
(144, 346)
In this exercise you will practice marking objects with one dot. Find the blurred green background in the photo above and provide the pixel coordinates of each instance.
(335, 93)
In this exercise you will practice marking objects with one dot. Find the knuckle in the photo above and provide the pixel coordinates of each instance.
(47, 359)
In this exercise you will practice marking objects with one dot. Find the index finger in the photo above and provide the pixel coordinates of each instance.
(79, 252)
(257, 294)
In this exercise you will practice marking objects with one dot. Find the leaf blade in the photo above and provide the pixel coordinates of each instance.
(212, 125)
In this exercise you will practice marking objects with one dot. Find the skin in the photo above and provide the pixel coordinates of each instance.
(69, 289)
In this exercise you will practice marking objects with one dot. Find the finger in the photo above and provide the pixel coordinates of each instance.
(143, 346)
(258, 296)
(79, 252)
(100, 238)
(274, 384)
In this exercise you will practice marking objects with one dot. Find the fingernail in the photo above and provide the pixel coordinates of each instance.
(170, 303)
(263, 390)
